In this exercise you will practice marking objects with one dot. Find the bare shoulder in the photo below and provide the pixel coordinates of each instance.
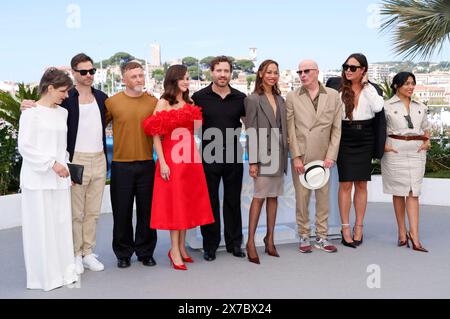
(162, 105)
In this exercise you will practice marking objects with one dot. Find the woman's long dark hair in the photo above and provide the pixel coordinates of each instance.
(173, 75)
(259, 87)
(348, 96)
(400, 79)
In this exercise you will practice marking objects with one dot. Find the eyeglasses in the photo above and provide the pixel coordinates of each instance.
(300, 72)
(410, 123)
(352, 68)
(85, 72)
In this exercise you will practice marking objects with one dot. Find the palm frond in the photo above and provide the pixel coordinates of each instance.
(27, 93)
(419, 27)
(9, 109)
(10, 104)
(387, 90)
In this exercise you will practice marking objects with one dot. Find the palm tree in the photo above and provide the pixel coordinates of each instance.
(10, 104)
(419, 27)
(10, 160)
(387, 90)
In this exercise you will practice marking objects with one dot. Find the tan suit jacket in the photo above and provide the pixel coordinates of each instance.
(314, 135)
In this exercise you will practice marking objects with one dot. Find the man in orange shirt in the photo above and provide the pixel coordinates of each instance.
(132, 169)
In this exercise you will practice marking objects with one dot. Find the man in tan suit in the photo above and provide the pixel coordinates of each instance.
(314, 131)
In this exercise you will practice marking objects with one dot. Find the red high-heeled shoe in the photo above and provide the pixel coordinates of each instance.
(187, 259)
(175, 266)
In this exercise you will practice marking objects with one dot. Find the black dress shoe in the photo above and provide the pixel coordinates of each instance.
(123, 262)
(209, 255)
(236, 251)
(147, 261)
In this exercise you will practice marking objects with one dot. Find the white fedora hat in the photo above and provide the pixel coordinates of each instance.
(316, 176)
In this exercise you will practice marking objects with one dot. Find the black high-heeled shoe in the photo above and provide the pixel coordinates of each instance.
(343, 241)
(418, 247)
(358, 242)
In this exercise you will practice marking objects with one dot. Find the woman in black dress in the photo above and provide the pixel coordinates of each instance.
(360, 103)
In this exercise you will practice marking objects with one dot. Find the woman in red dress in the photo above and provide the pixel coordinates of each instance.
(180, 195)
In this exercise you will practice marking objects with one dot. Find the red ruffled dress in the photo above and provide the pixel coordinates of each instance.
(182, 202)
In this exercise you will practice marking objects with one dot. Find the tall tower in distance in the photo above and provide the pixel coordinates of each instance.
(156, 55)
(253, 54)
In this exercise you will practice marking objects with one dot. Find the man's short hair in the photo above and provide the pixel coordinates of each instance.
(220, 59)
(79, 58)
(131, 66)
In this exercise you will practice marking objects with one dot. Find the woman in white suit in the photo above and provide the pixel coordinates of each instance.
(403, 163)
(266, 127)
(45, 185)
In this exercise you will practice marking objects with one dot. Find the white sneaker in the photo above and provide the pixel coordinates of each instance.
(79, 269)
(91, 263)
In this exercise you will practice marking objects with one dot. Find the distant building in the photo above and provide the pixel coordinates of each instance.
(430, 94)
(253, 54)
(434, 78)
(10, 87)
(175, 61)
(378, 73)
(155, 55)
(100, 76)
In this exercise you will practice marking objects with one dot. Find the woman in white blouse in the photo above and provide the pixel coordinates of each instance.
(360, 103)
(403, 163)
(45, 185)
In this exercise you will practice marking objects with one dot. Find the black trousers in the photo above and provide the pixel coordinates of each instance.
(231, 174)
(130, 180)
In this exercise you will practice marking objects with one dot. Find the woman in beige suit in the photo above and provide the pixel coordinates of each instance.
(403, 163)
(268, 151)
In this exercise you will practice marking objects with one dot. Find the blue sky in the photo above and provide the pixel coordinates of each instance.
(38, 34)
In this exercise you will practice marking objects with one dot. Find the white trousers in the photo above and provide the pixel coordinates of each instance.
(47, 238)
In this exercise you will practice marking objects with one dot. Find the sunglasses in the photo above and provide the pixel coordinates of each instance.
(85, 72)
(410, 123)
(352, 68)
(300, 72)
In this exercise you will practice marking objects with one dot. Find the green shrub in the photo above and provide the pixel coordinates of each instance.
(10, 160)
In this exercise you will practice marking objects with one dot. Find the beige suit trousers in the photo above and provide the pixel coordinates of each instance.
(87, 201)
(302, 196)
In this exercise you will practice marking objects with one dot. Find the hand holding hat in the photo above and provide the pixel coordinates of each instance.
(316, 174)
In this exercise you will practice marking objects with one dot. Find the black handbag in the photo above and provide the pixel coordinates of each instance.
(76, 173)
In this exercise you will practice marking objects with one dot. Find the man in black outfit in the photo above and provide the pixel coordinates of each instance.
(222, 108)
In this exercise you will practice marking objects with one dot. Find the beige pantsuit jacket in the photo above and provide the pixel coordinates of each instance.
(313, 136)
